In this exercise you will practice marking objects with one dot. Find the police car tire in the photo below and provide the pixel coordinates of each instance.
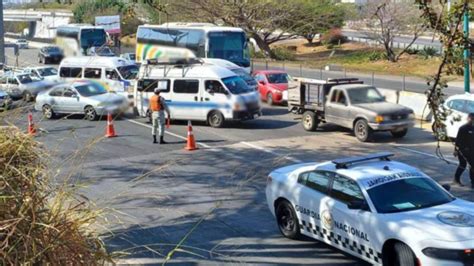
(403, 255)
(310, 121)
(362, 125)
(280, 210)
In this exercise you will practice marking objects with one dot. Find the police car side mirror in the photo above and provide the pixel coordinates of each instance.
(446, 186)
(358, 205)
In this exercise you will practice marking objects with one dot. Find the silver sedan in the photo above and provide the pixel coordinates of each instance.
(80, 97)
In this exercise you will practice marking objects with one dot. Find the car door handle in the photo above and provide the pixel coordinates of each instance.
(195, 98)
(207, 99)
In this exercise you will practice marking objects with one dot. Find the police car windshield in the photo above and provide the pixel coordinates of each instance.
(408, 194)
(236, 85)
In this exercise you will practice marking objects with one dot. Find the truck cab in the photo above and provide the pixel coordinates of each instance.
(348, 103)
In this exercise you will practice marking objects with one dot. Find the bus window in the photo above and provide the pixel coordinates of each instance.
(92, 73)
(191, 39)
(93, 37)
(230, 46)
(186, 86)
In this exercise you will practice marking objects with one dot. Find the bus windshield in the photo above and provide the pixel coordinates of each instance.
(230, 46)
(92, 37)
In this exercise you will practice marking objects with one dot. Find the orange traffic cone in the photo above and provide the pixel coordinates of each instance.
(31, 125)
(110, 133)
(191, 144)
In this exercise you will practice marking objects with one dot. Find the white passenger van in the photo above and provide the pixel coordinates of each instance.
(198, 91)
(117, 73)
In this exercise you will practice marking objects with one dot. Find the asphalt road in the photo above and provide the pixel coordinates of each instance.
(207, 205)
(29, 57)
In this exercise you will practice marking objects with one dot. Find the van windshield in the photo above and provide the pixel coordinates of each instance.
(236, 85)
(128, 72)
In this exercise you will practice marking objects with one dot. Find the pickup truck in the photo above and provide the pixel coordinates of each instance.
(348, 103)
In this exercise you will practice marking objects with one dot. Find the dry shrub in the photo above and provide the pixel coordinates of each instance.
(40, 223)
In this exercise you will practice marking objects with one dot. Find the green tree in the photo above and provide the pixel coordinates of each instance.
(317, 17)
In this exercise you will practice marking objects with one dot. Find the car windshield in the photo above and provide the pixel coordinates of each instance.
(90, 89)
(277, 78)
(25, 79)
(53, 49)
(128, 72)
(236, 85)
(245, 76)
(364, 95)
(408, 194)
(48, 71)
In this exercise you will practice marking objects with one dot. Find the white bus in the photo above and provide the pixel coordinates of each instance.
(203, 40)
(76, 39)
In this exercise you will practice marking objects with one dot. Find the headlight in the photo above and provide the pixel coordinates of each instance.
(448, 254)
(458, 219)
(379, 119)
(411, 116)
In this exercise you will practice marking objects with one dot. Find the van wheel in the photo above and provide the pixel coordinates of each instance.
(287, 220)
(215, 119)
(90, 113)
(362, 131)
(270, 99)
(310, 121)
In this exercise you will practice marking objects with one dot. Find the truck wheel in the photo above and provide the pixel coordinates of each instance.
(362, 131)
(215, 119)
(400, 133)
(270, 99)
(287, 220)
(310, 122)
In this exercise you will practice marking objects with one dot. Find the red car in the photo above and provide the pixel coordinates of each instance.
(272, 85)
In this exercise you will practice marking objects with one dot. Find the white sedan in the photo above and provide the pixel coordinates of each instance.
(381, 211)
(457, 107)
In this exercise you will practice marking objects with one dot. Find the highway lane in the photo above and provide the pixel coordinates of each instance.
(28, 57)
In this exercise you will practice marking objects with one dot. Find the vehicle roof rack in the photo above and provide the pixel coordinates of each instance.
(345, 162)
(344, 80)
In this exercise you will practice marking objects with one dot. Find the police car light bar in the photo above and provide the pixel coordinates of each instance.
(345, 162)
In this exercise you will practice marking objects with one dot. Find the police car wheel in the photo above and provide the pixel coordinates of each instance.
(403, 255)
(287, 220)
(310, 121)
(362, 131)
(216, 119)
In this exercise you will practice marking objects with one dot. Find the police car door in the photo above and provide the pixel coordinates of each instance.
(185, 103)
(215, 97)
(352, 228)
(313, 194)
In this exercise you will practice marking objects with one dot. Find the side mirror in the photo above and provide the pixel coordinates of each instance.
(358, 205)
(446, 186)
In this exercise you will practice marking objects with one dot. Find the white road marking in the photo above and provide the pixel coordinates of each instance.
(167, 132)
(254, 146)
(424, 153)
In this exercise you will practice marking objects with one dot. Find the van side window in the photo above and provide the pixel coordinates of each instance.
(70, 72)
(215, 86)
(149, 85)
(93, 73)
(186, 86)
(112, 74)
(13, 81)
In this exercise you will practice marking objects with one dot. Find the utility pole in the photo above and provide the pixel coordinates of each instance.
(467, 52)
(2, 35)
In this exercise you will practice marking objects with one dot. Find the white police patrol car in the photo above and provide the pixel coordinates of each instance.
(382, 211)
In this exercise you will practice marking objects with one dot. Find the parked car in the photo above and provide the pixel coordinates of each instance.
(22, 43)
(50, 54)
(272, 85)
(45, 72)
(350, 104)
(100, 51)
(5, 100)
(23, 85)
(82, 97)
(457, 108)
(129, 56)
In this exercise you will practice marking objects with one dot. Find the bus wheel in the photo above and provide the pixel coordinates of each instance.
(215, 119)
